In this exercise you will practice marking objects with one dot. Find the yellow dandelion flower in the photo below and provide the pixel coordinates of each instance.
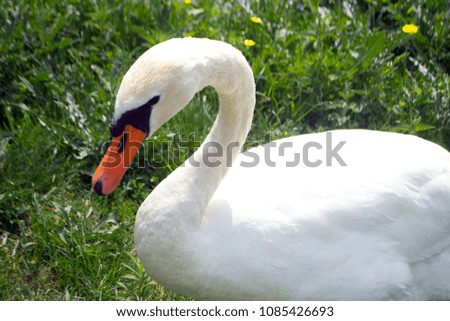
(255, 19)
(410, 28)
(187, 1)
(249, 42)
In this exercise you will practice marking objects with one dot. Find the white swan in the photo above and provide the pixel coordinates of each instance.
(378, 228)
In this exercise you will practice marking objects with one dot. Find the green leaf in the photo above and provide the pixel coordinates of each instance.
(419, 127)
(374, 46)
(314, 5)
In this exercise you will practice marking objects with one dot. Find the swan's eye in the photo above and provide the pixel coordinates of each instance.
(154, 100)
(138, 117)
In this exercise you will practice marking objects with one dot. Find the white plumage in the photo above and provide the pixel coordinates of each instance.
(378, 228)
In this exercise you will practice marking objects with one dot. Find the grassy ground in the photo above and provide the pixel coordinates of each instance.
(340, 64)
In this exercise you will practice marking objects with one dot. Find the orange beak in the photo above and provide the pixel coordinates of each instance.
(117, 159)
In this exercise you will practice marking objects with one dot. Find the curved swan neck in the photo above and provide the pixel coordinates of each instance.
(192, 185)
(232, 78)
(210, 163)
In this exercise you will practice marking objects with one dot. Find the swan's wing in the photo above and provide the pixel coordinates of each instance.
(395, 187)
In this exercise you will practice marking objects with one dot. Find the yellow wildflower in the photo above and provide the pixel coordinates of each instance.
(410, 28)
(312, 38)
(187, 1)
(249, 42)
(255, 19)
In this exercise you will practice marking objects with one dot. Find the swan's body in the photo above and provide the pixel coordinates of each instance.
(377, 228)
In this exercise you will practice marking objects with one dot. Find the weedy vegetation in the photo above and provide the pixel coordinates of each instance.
(318, 65)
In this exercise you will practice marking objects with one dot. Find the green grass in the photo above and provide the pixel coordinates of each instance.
(337, 64)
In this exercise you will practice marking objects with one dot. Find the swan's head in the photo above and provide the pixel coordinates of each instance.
(157, 86)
